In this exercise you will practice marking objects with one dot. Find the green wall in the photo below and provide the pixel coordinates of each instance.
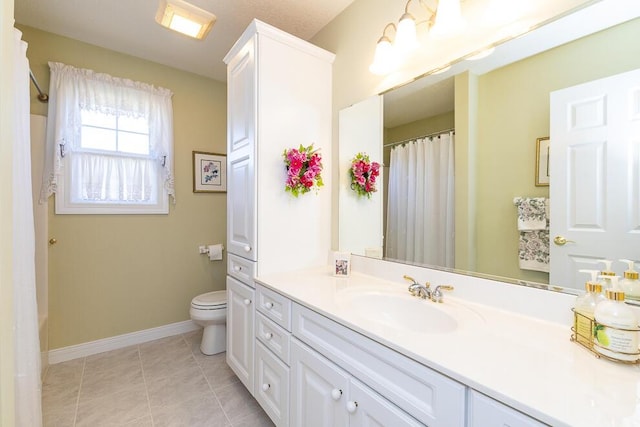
(115, 274)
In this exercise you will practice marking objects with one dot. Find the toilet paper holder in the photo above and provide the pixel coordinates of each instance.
(204, 249)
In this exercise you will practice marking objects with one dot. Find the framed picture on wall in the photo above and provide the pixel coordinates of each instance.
(542, 162)
(209, 172)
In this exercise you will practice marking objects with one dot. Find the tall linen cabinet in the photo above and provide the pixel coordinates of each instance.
(278, 97)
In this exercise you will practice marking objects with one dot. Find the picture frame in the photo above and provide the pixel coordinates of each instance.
(341, 265)
(542, 161)
(209, 172)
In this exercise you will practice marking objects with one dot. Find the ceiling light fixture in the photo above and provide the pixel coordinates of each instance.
(185, 18)
(390, 53)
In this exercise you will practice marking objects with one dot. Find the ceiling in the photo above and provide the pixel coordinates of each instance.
(129, 26)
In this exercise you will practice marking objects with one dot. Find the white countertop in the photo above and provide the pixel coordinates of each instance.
(525, 362)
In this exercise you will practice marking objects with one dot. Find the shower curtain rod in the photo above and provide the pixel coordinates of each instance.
(440, 132)
(42, 97)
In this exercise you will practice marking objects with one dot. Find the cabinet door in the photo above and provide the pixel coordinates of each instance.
(241, 143)
(485, 411)
(240, 338)
(368, 409)
(272, 385)
(241, 206)
(319, 390)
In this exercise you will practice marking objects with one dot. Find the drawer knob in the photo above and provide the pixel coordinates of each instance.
(266, 387)
(352, 406)
(247, 248)
(336, 393)
(247, 301)
(268, 305)
(237, 268)
(268, 336)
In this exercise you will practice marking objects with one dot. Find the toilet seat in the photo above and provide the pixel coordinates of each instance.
(216, 300)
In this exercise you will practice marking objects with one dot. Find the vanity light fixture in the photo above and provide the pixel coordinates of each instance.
(185, 18)
(446, 17)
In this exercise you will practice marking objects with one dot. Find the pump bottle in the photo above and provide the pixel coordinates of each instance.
(584, 309)
(605, 275)
(616, 329)
(630, 284)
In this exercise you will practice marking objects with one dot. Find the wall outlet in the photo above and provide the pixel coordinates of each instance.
(202, 249)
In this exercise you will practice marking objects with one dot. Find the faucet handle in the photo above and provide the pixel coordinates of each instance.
(436, 295)
(405, 277)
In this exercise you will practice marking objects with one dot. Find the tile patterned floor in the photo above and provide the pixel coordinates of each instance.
(167, 382)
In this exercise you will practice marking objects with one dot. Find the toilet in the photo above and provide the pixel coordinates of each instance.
(210, 311)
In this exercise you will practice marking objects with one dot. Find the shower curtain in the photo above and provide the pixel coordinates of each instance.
(28, 388)
(420, 207)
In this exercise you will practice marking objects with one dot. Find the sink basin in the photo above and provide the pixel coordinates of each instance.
(405, 312)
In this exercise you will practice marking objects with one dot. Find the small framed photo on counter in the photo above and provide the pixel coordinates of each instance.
(341, 264)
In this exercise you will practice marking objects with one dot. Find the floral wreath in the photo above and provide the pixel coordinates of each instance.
(304, 165)
(363, 174)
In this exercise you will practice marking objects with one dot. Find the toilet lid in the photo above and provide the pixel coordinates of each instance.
(210, 299)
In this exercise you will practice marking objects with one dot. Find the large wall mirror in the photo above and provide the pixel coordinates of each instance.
(499, 108)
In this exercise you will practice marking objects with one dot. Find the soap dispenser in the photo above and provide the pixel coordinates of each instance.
(630, 284)
(584, 309)
(616, 329)
(606, 274)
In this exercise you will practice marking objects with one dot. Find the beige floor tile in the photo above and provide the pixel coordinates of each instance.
(218, 373)
(108, 381)
(60, 397)
(162, 365)
(256, 419)
(236, 402)
(65, 373)
(114, 409)
(177, 387)
(54, 418)
(200, 411)
(124, 357)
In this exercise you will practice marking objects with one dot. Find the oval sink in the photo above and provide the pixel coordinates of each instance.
(405, 312)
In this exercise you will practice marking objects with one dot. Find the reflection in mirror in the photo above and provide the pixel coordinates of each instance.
(498, 114)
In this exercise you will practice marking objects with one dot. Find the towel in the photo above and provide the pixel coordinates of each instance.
(533, 250)
(532, 213)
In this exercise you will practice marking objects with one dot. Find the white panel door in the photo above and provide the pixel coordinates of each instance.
(240, 338)
(361, 219)
(319, 390)
(595, 176)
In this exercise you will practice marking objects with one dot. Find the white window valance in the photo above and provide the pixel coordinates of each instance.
(72, 90)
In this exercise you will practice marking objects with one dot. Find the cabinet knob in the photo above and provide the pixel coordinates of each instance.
(247, 301)
(268, 335)
(247, 248)
(237, 268)
(266, 387)
(268, 305)
(352, 406)
(336, 393)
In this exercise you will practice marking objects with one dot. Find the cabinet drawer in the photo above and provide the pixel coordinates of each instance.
(272, 385)
(274, 306)
(241, 268)
(273, 337)
(485, 411)
(427, 395)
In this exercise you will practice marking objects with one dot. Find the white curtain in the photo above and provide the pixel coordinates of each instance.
(27, 344)
(72, 89)
(420, 209)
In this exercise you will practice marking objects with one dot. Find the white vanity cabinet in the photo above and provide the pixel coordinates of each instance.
(485, 411)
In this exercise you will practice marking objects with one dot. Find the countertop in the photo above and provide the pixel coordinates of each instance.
(527, 363)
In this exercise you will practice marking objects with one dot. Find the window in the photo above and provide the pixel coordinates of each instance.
(109, 144)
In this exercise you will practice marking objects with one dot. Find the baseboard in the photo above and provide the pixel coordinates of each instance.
(120, 341)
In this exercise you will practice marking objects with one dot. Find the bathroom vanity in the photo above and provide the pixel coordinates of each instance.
(352, 351)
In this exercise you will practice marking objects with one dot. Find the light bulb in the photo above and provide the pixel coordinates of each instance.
(448, 18)
(406, 37)
(384, 57)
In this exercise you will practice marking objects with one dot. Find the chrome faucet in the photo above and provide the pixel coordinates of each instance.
(425, 292)
(418, 290)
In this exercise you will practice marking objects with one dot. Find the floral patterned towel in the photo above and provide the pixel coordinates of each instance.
(531, 213)
(533, 250)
